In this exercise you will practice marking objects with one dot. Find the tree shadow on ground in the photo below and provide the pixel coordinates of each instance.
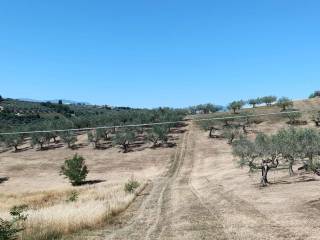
(51, 147)
(5, 150)
(78, 146)
(301, 179)
(92, 182)
(3, 179)
(22, 149)
(178, 131)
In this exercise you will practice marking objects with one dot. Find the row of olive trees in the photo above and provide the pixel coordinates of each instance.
(284, 103)
(113, 118)
(228, 127)
(123, 137)
(205, 108)
(288, 147)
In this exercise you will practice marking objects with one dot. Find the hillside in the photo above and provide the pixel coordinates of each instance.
(190, 184)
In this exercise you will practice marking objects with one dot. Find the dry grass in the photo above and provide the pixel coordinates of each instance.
(34, 180)
(52, 215)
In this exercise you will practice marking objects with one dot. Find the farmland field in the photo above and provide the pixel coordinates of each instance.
(191, 190)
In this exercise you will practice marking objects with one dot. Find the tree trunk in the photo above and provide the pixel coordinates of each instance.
(244, 129)
(16, 148)
(231, 139)
(155, 142)
(291, 172)
(210, 133)
(125, 147)
(264, 175)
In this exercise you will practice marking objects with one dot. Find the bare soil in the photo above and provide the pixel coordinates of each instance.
(205, 195)
(195, 190)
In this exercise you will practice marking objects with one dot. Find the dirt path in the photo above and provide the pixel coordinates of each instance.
(169, 208)
(200, 199)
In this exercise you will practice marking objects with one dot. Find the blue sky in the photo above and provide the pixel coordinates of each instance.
(159, 53)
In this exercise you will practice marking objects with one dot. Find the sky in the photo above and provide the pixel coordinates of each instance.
(153, 53)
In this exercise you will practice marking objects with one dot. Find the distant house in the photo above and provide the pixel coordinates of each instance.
(1, 108)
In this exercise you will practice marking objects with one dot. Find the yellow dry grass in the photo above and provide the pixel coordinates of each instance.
(50, 214)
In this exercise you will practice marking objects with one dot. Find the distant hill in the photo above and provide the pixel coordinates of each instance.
(64, 101)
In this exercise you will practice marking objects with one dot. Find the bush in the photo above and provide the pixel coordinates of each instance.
(75, 169)
(131, 185)
(10, 229)
(73, 197)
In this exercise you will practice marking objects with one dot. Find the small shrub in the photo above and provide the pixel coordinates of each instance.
(75, 169)
(73, 197)
(10, 229)
(131, 185)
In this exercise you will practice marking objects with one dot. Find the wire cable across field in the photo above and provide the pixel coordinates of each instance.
(153, 124)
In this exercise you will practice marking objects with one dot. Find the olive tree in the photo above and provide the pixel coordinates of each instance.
(236, 105)
(124, 138)
(288, 145)
(95, 137)
(13, 140)
(268, 100)
(231, 133)
(68, 137)
(253, 102)
(40, 139)
(293, 116)
(205, 108)
(309, 145)
(158, 133)
(284, 103)
(209, 125)
(258, 154)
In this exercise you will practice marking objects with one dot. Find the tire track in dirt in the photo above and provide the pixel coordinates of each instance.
(190, 218)
(215, 197)
(145, 217)
(172, 209)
